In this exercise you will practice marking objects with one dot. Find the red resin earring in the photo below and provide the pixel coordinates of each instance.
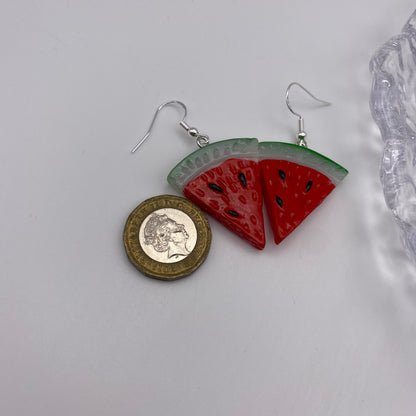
(295, 179)
(223, 179)
(228, 179)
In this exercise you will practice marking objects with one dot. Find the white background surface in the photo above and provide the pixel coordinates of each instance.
(323, 324)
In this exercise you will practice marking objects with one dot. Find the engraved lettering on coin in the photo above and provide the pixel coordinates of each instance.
(168, 235)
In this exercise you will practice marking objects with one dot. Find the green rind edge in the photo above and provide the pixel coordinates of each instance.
(210, 156)
(303, 156)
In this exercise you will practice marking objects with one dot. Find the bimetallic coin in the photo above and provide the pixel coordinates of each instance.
(167, 237)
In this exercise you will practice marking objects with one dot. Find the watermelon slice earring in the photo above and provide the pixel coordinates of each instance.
(295, 179)
(223, 179)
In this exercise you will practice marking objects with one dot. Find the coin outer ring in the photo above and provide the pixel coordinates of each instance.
(153, 268)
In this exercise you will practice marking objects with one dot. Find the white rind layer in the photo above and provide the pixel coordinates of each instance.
(302, 156)
(210, 156)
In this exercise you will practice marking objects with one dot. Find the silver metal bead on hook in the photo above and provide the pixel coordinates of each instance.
(301, 137)
(201, 139)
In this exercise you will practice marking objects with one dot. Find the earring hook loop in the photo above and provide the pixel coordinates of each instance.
(301, 132)
(201, 139)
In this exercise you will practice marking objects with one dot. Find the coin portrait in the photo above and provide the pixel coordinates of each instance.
(167, 237)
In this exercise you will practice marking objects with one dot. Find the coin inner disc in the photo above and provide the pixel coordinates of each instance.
(167, 235)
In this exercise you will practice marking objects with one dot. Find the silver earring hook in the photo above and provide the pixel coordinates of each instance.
(301, 132)
(201, 139)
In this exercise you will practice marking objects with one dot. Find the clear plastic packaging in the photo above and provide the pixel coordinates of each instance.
(393, 106)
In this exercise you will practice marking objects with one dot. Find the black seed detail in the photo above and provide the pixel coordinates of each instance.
(282, 174)
(279, 201)
(242, 178)
(215, 187)
(233, 213)
(308, 186)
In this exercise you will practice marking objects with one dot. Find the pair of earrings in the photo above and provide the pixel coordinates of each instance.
(167, 237)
